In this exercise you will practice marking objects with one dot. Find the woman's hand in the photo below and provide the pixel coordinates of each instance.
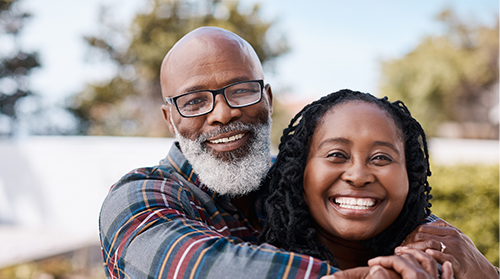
(364, 272)
(413, 263)
(410, 264)
(444, 242)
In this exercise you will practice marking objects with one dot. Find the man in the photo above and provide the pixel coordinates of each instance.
(197, 213)
(170, 221)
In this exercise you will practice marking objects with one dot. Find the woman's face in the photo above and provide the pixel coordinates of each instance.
(355, 180)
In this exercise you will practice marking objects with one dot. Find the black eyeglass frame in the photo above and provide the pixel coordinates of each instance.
(173, 100)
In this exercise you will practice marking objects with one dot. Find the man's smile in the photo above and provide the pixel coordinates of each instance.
(228, 141)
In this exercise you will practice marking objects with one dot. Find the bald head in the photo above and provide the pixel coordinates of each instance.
(208, 55)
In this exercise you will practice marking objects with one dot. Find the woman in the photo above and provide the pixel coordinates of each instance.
(350, 180)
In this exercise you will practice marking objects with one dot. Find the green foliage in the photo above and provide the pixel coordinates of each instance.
(16, 65)
(129, 104)
(448, 78)
(467, 197)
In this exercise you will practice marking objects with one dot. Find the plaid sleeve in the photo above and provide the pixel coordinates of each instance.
(154, 228)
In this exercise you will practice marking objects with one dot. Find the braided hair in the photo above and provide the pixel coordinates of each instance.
(289, 224)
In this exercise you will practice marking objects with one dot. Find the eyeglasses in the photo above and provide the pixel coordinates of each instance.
(237, 95)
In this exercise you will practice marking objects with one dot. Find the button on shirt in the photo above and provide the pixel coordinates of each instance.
(162, 222)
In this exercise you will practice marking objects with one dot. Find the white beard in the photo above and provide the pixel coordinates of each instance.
(233, 174)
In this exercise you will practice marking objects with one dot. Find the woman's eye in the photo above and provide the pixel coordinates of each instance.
(382, 159)
(336, 156)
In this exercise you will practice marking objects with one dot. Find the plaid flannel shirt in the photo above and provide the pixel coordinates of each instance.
(161, 222)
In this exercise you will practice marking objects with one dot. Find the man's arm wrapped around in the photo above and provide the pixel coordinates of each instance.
(153, 226)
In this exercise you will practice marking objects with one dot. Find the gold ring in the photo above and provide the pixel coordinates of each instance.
(443, 247)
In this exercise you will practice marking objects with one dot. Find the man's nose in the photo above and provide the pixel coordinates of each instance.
(222, 113)
(358, 174)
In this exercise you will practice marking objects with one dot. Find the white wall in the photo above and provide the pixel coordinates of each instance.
(463, 151)
(51, 189)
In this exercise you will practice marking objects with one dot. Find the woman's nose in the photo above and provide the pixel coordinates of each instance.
(358, 175)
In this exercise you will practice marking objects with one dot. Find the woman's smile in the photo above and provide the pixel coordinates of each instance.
(353, 205)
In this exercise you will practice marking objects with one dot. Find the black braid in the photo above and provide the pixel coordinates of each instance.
(289, 224)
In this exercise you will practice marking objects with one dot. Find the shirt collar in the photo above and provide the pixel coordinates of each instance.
(176, 159)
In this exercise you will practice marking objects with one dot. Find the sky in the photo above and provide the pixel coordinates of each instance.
(334, 44)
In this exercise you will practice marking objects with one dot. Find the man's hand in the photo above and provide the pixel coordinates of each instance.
(467, 261)
(410, 264)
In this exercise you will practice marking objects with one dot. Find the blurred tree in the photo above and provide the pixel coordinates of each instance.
(281, 119)
(129, 103)
(450, 82)
(15, 64)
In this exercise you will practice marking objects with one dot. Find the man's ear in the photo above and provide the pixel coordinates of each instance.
(165, 110)
(269, 94)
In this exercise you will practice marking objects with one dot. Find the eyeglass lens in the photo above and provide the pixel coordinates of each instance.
(237, 95)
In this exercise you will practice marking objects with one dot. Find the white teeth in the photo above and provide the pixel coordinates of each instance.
(226, 140)
(355, 203)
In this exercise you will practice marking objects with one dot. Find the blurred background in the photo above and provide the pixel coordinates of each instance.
(80, 102)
